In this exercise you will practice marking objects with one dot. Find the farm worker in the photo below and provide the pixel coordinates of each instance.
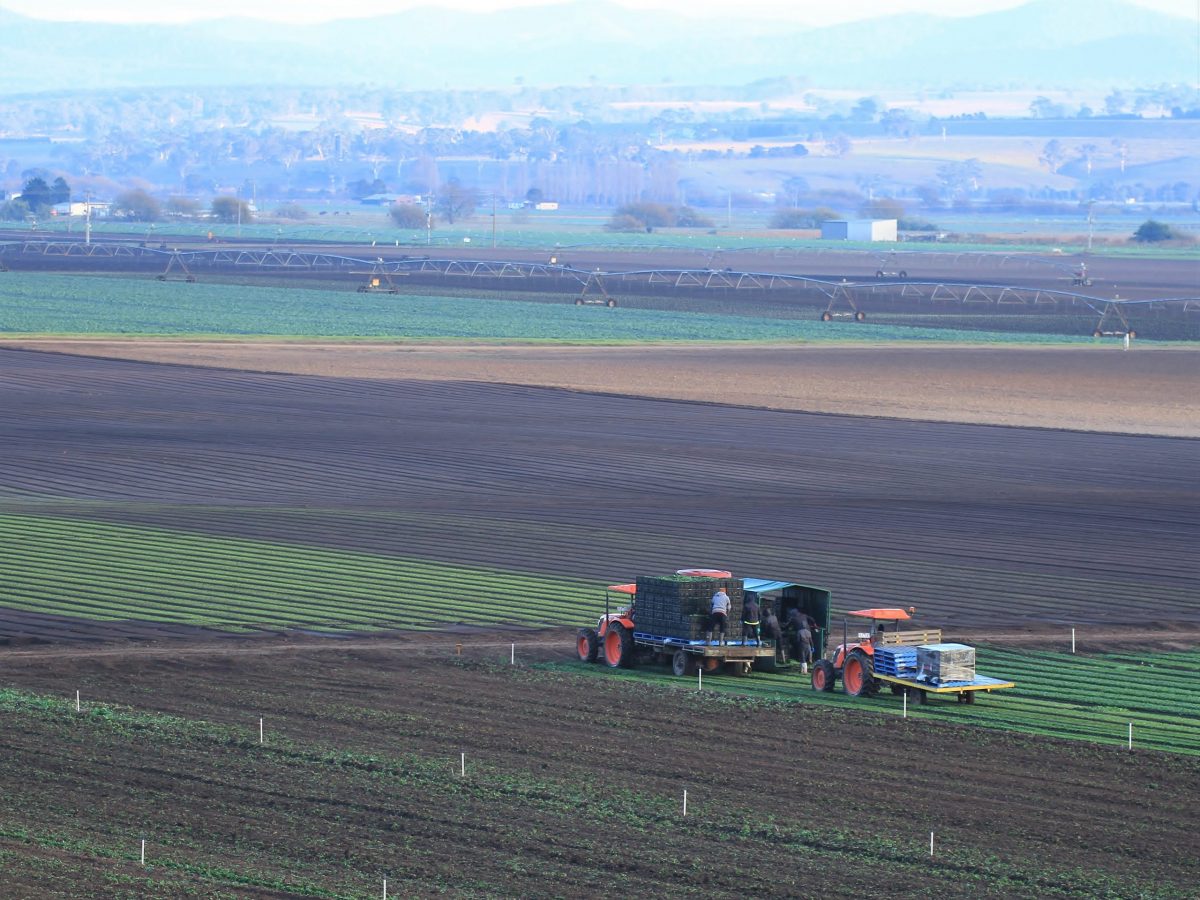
(750, 618)
(718, 620)
(773, 632)
(802, 625)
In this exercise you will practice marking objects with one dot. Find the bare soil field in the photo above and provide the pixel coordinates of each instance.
(573, 787)
(975, 524)
(1148, 391)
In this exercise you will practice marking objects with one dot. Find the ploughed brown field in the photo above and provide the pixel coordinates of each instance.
(891, 476)
(573, 788)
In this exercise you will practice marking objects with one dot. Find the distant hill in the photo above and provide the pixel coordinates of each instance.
(1045, 43)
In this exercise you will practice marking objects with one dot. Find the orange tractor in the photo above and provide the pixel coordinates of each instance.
(913, 662)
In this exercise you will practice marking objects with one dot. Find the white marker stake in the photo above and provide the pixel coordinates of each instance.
(1072, 640)
(77, 701)
(1130, 735)
(685, 801)
(1127, 340)
(905, 704)
(512, 659)
(260, 731)
(463, 771)
(931, 843)
(143, 851)
(385, 889)
(699, 679)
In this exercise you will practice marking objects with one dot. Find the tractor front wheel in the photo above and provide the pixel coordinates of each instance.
(823, 675)
(618, 646)
(856, 675)
(588, 645)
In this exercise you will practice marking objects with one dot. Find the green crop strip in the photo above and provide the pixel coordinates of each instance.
(1075, 697)
(119, 572)
(102, 306)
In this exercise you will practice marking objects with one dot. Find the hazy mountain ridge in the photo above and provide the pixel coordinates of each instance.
(1062, 43)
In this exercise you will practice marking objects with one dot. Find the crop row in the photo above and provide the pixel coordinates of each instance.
(400, 814)
(1091, 698)
(107, 572)
(55, 304)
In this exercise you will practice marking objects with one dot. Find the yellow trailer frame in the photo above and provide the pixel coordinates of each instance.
(965, 692)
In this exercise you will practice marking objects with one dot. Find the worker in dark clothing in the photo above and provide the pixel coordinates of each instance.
(773, 632)
(750, 620)
(801, 625)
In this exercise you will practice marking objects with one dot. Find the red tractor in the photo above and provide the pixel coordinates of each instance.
(613, 634)
(852, 661)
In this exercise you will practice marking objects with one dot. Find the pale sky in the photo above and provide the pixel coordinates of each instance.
(800, 11)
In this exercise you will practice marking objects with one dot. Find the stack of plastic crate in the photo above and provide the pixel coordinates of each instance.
(678, 606)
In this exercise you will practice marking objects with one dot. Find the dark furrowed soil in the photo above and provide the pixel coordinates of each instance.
(974, 524)
(573, 789)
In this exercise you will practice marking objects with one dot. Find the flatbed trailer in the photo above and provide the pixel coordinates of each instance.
(687, 656)
(964, 690)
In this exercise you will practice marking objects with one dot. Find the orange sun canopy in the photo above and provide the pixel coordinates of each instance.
(889, 614)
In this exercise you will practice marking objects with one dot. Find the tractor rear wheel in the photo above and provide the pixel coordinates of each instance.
(860, 316)
(588, 645)
(683, 663)
(827, 316)
(823, 675)
(966, 697)
(856, 675)
(618, 646)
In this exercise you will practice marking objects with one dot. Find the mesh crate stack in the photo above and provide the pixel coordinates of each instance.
(946, 663)
(678, 605)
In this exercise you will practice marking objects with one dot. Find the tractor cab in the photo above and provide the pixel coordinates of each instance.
(882, 627)
(614, 596)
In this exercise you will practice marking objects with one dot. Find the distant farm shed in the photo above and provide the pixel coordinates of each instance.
(859, 230)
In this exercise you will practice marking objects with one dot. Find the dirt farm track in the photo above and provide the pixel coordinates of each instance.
(892, 477)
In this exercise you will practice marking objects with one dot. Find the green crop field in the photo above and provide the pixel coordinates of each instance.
(1076, 697)
(118, 572)
(88, 305)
